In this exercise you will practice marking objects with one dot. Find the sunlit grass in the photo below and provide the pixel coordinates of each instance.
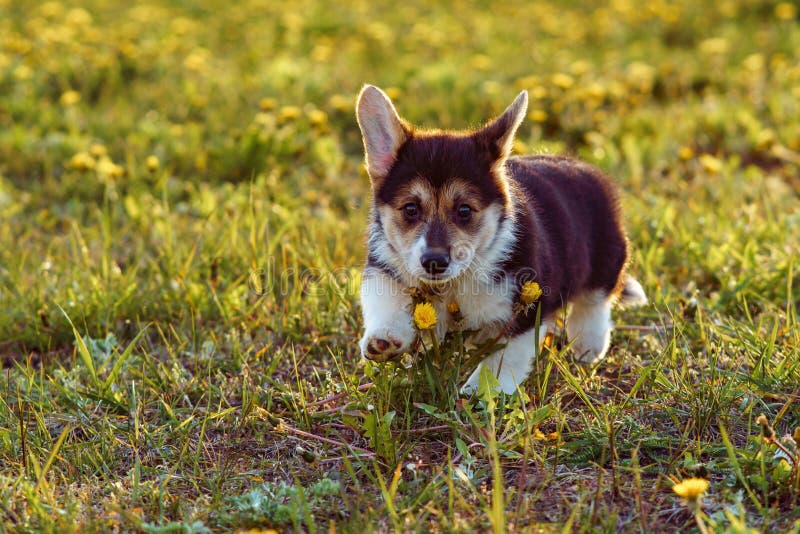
(182, 216)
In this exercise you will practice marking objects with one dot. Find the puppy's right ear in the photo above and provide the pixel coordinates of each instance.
(382, 129)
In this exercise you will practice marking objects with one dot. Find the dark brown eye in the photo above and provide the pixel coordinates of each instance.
(464, 213)
(411, 211)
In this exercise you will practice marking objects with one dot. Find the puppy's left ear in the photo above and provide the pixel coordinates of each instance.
(497, 137)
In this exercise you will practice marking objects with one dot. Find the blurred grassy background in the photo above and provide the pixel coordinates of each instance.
(196, 167)
(254, 100)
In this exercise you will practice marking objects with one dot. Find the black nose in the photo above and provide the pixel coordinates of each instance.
(435, 261)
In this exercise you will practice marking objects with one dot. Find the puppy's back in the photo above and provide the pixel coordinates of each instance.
(577, 207)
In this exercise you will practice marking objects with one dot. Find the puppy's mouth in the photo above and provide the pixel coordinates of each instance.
(440, 278)
(436, 279)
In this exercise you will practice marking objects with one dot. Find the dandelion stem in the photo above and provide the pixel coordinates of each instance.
(435, 343)
(700, 523)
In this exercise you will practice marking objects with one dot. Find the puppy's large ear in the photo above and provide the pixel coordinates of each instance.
(382, 129)
(497, 137)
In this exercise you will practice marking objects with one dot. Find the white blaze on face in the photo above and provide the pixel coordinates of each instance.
(461, 255)
(414, 258)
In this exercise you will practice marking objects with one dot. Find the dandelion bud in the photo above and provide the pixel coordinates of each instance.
(766, 428)
(306, 455)
(530, 292)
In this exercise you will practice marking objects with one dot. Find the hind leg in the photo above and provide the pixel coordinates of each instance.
(589, 326)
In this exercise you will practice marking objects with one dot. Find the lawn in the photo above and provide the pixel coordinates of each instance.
(183, 208)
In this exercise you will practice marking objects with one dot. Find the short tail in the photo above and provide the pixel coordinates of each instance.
(632, 293)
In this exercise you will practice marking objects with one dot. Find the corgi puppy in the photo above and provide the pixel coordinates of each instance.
(456, 213)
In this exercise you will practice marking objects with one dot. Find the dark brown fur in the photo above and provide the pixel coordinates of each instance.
(439, 158)
(574, 240)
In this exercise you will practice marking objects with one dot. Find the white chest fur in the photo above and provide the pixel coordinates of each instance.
(484, 303)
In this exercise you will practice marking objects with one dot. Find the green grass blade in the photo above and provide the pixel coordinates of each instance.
(121, 359)
(52, 456)
(83, 350)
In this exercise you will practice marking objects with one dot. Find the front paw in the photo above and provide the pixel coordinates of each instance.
(385, 345)
(470, 387)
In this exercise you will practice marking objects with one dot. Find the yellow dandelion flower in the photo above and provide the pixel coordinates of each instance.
(23, 72)
(393, 92)
(152, 163)
(686, 153)
(596, 90)
(765, 139)
(537, 115)
(201, 161)
(453, 308)
(97, 150)
(51, 9)
(340, 102)
(290, 113)
(537, 92)
(106, 167)
(754, 62)
(18, 44)
(547, 342)
(691, 489)
(262, 119)
(714, 45)
(267, 104)
(711, 164)
(78, 17)
(480, 62)
(197, 60)
(491, 87)
(530, 293)
(82, 161)
(317, 117)
(322, 52)
(199, 101)
(424, 316)
(182, 25)
(580, 67)
(526, 81)
(70, 98)
(785, 11)
(562, 80)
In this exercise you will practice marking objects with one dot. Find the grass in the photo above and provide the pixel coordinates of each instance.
(182, 218)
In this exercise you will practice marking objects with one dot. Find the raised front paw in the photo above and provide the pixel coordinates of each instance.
(385, 345)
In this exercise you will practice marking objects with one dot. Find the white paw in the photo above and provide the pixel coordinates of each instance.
(470, 387)
(508, 379)
(590, 349)
(385, 344)
(632, 294)
(589, 327)
(510, 365)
